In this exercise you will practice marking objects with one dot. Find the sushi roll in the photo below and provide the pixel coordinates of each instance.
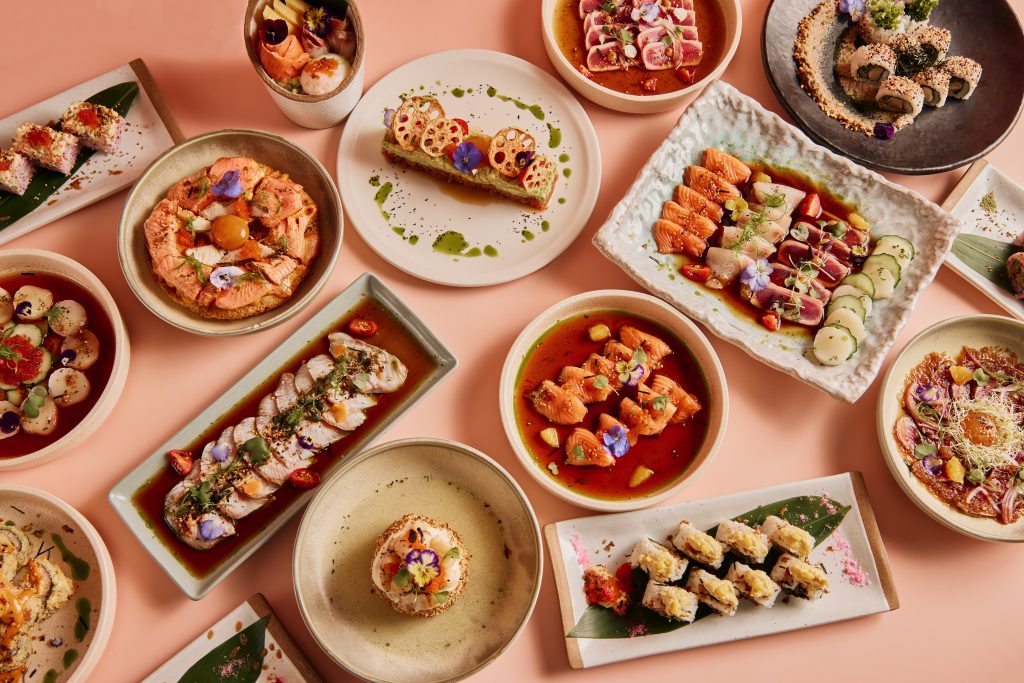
(792, 539)
(752, 544)
(52, 149)
(873, 62)
(15, 171)
(964, 74)
(800, 578)
(324, 74)
(753, 584)
(718, 594)
(901, 95)
(96, 126)
(602, 588)
(671, 602)
(660, 563)
(935, 86)
(883, 21)
(934, 40)
(698, 546)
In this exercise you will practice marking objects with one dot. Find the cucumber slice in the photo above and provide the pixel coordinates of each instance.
(15, 396)
(886, 261)
(852, 303)
(898, 247)
(861, 282)
(850, 290)
(8, 387)
(44, 368)
(833, 345)
(881, 276)
(30, 332)
(844, 317)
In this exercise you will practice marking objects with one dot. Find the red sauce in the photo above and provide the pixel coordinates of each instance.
(99, 374)
(668, 454)
(568, 30)
(392, 336)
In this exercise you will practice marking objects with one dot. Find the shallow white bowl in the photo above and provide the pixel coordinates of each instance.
(644, 306)
(638, 104)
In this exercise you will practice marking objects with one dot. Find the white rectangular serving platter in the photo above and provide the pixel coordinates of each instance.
(843, 601)
(365, 287)
(150, 131)
(1003, 224)
(725, 118)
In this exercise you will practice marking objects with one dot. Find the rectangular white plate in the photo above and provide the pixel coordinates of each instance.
(1003, 224)
(843, 601)
(725, 118)
(150, 131)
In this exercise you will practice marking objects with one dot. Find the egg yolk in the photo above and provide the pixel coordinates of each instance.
(980, 429)
(230, 232)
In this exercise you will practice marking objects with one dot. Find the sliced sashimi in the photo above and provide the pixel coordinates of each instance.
(275, 199)
(689, 198)
(557, 404)
(655, 348)
(688, 219)
(249, 172)
(830, 269)
(710, 185)
(790, 305)
(587, 387)
(583, 448)
(725, 165)
(672, 238)
(686, 404)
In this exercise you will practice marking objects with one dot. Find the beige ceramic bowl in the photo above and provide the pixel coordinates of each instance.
(37, 261)
(87, 563)
(310, 111)
(644, 306)
(635, 104)
(946, 337)
(187, 158)
(450, 483)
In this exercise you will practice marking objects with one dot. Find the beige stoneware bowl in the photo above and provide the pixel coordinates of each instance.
(644, 306)
(38, 261)
(187, 158)
(948, 336)
(637, 104)
(450, 483)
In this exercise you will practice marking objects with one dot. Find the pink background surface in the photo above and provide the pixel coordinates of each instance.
(960, 597)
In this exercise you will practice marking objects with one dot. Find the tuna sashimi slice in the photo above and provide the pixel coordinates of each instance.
(607, 57)
(800, 308)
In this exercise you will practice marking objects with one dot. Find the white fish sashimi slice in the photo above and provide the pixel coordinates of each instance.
(290, 453)
(286, 395)
(244, 430)
(237, 505)
(207, 465)
(320, 366)
(792, 196)
(319, 434)
(351, 421)
(267, 406)
(179, 490)
(189, 530)
(372, 369)
(304, 382)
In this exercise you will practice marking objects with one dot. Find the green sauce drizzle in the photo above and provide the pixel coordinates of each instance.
(491, 92)
(413, 239)
(534, 109)
(79, 567)
(563, 157)
(561, 200)
(70, 657)
(490, 251)
(375, 181)
(555, 138)
(567, 172)
(475, 251)
(51, 676)
(458, 92)
(451, 243)
(84, 622)
(399, 231)
(545, 225)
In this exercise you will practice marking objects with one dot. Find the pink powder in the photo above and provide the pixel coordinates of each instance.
(828, 504)
(582, 554)
(637, 630)
(854, 574)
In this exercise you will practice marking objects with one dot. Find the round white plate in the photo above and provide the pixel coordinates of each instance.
(525, 239)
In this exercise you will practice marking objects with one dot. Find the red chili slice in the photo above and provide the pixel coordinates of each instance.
(304, 478)
(361, 327)
(181, 461)
(697, 273)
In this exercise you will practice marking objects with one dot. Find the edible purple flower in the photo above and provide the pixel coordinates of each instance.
(629, 373)
(757, 275)
(229, 186)
(221, 452)
(928, 393)
(524, 159)
(23, 309)
(389, 117)
(884, 131)
(210, 529)
(615, 441)
(647, 12)
(56, 641)
(305, 442)
(68, 356)
(932, 463)
(317, 21)
(275, 31)
(225, 276)
(855, 8)
(9, 422)
(422, 566)
(467, 157)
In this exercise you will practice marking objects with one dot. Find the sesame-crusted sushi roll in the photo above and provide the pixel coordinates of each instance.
(47, 147)
(698, 546)
(964, 74)
(671, 602)
(800, 578)
(901, 95)
(660, 563)
(792, 539)
(934, 40)
(718, 594)
(15, 171)
(883, 21)
(873, 62)
(97, 127)
(752, 544)
(753, 584)
(934, 84)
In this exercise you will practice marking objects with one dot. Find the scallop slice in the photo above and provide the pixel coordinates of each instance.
(67, 317)
(10, 421)
(6, 306)
(80, 351)
(44, 422)
(68, 387)
(32, 303)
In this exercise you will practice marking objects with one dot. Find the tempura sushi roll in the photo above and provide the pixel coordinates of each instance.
(873, 62)
(934, 84)
(96, 126)
(753, 584)
(718, 594)
(698, 546)
(752, 544)
(901, 95)
(660, 563)
(934, 40)
(604, 589)
(800, 578)
(47, 147)
(15, 171)
(671, 602)
(792, 539)
(964, 74)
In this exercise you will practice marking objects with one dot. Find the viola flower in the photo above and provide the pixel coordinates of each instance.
(225, 276)
(467, 157)
(629, 374)
(615, 441)
(317, 21)
(9, 422)
(647, 12)
(422, 566)
(928, 393)
(524, 159)
(221, 452)
(305, 442)
(757, 275)
(855, 8)
(210, 529)
(884, 131)
(275, 31)
(229, 186)
(389, 117)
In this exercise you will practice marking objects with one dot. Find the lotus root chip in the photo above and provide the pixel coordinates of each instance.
(412, 118)
(437, 136)
(538, 173)
(505, 145)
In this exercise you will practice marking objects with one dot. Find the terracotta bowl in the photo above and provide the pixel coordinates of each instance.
(643, 306)
(639, 104)
(38, 261)
(187, 158)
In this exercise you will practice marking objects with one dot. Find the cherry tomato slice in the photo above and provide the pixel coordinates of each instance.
(463, 125)
(181, 461)
(810, 206)
(304, 478)
(771, 321)
(625, 576)
(361, 327)
(697, 273)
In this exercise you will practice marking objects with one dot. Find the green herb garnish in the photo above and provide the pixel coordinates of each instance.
(980, 377)
(923, 450)
(196, 265)
(258, 451)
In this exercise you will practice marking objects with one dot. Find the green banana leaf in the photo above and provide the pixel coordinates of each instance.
(239, 659)
(45, 182)
(819, 516)
(986, 256)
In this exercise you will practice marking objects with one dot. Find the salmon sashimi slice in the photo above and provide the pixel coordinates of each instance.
(583, 448)
(658, 406)
(686, 403)
(620, 353)
(605, 422)
(275, 199)
(672, 238)
(585, 386)
(699, 225)
(557, 404)
(192, 193)
(710, 185)
(290, 236)
(646, 419)
(249, 172)
(186, 276)
(654, 347)
(277, 268)
(283, 61)
(599, 365)
(242, 294)
(725, 165)
(694, 201)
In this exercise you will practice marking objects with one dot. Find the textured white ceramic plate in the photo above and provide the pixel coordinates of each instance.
(725, 118)
(427, 208)
(843, 601)
(948, 336)
(54, 523)
(448, 482)
(1003, 224)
